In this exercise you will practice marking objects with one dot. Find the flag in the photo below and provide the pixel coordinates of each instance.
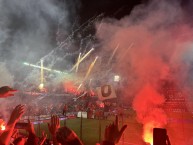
(106, 92)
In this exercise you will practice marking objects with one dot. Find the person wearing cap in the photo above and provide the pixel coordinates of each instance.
(6, 91)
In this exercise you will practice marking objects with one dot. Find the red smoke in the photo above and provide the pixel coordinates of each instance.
(70, 87)
(147, 105)
(155, 43)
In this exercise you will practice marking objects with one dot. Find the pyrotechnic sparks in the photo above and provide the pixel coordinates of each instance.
(88, 73)
(90, 68)
(44, 68)
(81, 59)
(79, 87)
(156, 44)
(126, 52)
(79, 56)
(110, 59)
(41, 76)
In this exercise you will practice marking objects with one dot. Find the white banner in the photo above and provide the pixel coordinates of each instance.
(106, 92)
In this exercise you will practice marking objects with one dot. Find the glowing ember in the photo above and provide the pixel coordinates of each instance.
(2, 125)
(148, 131)
(148, 136)
(41, 86)
(70, 87)
(102, 105)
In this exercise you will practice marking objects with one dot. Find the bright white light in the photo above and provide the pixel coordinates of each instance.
(2, 127)
(57, 71)
(25, 63)
(41, 86)
(116, 78)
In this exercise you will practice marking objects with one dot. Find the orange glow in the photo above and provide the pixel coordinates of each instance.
(149, 112)
(148, 138)
(92, 93)
(2, 125)
(148, 133)
(102, 105)
(70, 87)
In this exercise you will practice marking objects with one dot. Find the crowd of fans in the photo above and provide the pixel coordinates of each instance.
(60, 135)
(38, 106)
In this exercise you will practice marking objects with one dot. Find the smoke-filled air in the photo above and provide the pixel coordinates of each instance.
(154, 47)
(43, 45)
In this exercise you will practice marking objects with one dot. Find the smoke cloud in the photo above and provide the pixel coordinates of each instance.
(155, 44)
(6, 77)
(28, 31)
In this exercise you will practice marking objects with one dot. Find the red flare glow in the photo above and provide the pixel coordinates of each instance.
(70, 88)
(148, 133)
(2, 125)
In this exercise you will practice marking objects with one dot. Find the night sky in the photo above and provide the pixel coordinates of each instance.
(117, 8)
(111, 8)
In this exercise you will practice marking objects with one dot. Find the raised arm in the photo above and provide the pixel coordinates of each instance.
(14, 118)
(53, 126)
(32, 139)
(43, 138)
(6, 91)
(112, 133)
